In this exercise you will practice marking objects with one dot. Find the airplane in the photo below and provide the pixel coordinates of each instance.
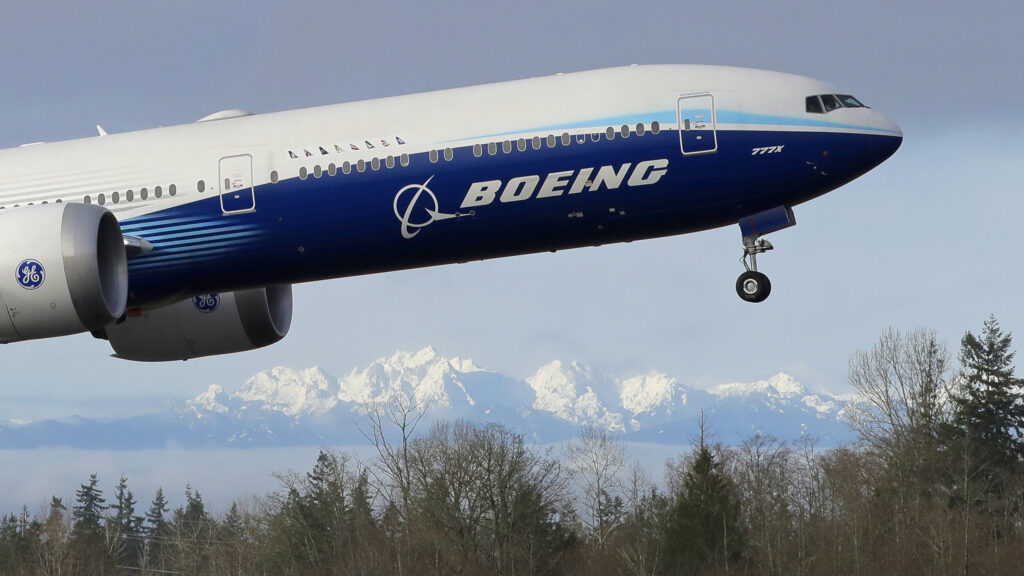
(184, 241)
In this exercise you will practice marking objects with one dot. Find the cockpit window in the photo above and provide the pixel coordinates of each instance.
(831, 102)
(849, 101)
(824, 103)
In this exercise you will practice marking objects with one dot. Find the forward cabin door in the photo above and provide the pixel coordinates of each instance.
(236, 193)
(697, 132)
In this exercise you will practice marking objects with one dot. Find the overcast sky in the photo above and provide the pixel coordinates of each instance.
(928, 239)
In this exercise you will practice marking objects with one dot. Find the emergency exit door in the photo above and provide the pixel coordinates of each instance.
(236, 193)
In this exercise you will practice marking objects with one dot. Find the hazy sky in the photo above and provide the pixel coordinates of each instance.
(930, 238)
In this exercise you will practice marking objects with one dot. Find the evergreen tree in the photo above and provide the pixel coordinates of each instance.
(703, 527)
(156, 530)
(988, 409)
(155, 515)
(193, 532)
(54, 555)
(88, 510)
(126, 526)
(232, 526)
(360, 510)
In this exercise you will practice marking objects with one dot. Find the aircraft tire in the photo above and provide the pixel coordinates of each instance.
(753, 286)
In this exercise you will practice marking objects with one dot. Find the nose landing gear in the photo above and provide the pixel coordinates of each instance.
(753, 286)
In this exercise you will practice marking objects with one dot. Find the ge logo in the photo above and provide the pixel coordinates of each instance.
(206, 303)
(30, 274)
(416, 207)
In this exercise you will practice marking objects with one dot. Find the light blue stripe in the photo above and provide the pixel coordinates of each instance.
(180, 254)
(735, 117)
(670, 117)
(187, 227)
(165, 224)
(193, 233)
(207, 239)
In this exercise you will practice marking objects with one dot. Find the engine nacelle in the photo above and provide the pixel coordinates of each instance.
(63, 270)
(204, 325)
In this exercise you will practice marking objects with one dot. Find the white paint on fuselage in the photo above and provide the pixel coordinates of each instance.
(576, 103)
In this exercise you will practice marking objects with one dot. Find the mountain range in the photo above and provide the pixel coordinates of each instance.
(286, 407)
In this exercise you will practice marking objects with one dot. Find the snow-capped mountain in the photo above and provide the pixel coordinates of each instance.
(282, 406)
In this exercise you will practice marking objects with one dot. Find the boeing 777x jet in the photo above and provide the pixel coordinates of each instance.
(184, 241)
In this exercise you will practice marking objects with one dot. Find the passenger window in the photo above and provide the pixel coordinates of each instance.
(144, 194)
(551, 141)
(595, 137)
(521, 145)
(317, 172)
(814, 105)
(492, 148)
(830, 102)
(303, 173)
(172, 190)
(624, 131)
(158, 192)
(536, 143)
(433, 156)
(655, 127)
(640, 129)
(581, 138)
(332, 169)
(361, 166)
(478, 150)
(449, 154)
(101, 199)
(87, 200)
(566, 139)
(346, 167)
(201, 186)
(129, 196)
(404, 159)
(115, 197)
(389, 161)
(610, 133)
(375, 164)
(506, 146)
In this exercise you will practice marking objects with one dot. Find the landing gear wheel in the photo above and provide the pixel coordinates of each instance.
(753, 286)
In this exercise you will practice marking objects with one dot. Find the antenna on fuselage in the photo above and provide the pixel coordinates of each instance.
(101, 130)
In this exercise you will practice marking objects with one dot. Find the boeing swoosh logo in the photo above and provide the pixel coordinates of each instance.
(422, 198)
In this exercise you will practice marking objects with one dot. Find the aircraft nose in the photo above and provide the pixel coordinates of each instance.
(889, 138)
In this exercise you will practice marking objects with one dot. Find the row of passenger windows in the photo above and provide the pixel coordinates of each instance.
(128, 196)
(359, 166)
(823, 103)
(551, 141)
(142, 194)
(506, 147)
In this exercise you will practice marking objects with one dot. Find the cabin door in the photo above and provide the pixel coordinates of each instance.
(236, 193)
(697, 132)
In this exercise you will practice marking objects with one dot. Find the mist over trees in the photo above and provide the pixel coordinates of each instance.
(935, 486)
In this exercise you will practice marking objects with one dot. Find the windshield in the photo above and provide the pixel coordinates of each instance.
(825, 103)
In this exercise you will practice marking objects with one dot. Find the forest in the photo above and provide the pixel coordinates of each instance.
(934, 486)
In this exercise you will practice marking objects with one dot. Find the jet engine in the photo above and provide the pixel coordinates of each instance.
(204, 325)
(63, 270)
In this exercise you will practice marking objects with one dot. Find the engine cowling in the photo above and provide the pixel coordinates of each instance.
(204, 325)
(63, 270)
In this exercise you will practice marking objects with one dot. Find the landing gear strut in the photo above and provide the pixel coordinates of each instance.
(752, 285)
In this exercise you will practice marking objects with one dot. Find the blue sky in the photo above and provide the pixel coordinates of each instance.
(927, 239)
